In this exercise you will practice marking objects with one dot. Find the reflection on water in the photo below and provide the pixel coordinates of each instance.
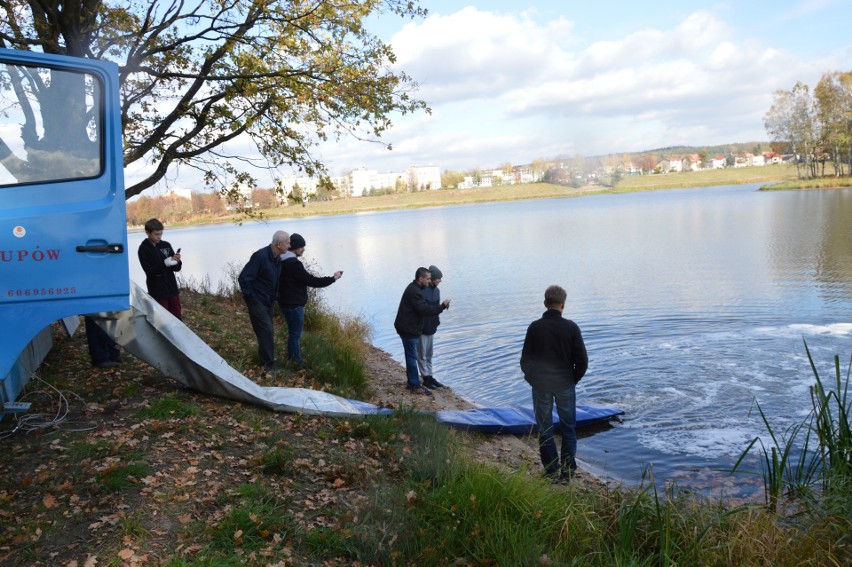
(693, 303)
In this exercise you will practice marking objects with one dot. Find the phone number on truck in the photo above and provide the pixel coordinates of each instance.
(42, 291)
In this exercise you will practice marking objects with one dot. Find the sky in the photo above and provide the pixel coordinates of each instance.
(514, 81)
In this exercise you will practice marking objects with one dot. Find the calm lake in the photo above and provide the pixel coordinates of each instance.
(693, 303)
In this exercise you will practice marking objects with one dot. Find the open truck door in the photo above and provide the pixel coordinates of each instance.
(63, 230)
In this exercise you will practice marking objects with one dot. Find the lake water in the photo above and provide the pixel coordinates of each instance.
(693, 303)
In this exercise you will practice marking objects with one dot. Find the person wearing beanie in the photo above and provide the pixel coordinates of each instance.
(409, 325)
(293, 285)
(432, 295)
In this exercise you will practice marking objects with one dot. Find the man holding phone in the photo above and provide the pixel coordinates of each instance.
(160, 262)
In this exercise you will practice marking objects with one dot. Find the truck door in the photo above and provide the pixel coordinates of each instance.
(63, 233)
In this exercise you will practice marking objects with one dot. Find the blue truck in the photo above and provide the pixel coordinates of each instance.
(63, 230)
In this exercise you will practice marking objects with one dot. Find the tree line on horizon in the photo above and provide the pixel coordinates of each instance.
(815, 125)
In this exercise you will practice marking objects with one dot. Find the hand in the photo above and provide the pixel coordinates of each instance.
(446, 303)
(176, 257)
(338, 274)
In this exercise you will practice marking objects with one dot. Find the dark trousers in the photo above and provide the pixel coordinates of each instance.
(173, 305)
(101, 346)
(261, 313)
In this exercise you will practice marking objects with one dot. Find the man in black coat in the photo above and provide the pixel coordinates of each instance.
(553, 361)
(293, 294)
(409, 324)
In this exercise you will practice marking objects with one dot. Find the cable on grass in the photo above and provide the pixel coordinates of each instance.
(56, 420)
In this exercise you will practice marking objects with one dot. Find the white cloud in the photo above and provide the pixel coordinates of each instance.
(512, 85)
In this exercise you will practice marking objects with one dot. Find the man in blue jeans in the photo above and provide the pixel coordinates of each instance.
(409, 325)
(293, 294)
(553, 360)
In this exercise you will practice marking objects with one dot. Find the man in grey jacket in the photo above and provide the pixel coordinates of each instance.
(553, 360)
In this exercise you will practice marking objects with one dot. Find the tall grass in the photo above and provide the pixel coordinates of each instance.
(790, 465)
(335, 345)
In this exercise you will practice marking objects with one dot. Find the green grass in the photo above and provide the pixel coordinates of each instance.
(168, 407)
(334, 346)
(819, 183)
(296, 489)
(124, 476)
(255, 519)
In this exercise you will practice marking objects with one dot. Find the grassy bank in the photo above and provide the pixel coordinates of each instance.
(124, 467)
(445, 197)
(821, 183)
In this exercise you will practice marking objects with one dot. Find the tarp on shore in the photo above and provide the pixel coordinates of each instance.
(152, 334)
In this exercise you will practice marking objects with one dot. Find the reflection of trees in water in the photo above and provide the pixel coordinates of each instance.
(812, 240)
(56, 124)
(834, 263)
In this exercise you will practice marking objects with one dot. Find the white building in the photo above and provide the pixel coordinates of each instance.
(423, 177)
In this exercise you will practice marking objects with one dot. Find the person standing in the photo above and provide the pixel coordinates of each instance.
(553, 361)
(409, 325)
(259, 284)
(293, 294)
(160, 262)
(103, 351)
(425, 343)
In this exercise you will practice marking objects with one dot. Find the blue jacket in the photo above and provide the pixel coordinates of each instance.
(432, 295)
(259, 278)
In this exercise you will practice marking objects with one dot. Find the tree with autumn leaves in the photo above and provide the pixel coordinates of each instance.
(816, 126)
(197, 78)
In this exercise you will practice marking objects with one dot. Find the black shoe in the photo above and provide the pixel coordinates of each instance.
(430, 382)
(419, 390)
(105, 364)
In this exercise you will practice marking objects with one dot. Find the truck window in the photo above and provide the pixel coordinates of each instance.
(51, 124)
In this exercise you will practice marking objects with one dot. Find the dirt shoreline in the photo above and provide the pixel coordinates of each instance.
(513, 453)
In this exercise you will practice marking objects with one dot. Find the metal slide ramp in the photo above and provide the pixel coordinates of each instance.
(150, 333)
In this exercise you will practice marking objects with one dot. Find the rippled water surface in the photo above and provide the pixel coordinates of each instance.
(694, 303)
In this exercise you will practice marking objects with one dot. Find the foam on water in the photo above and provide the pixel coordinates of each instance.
(691, 395)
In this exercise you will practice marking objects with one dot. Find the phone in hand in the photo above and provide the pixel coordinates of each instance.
(178, 251)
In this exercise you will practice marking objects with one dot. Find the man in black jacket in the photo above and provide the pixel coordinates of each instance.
(553, 360)
(259, 284)
(293, 294)
(409, 324)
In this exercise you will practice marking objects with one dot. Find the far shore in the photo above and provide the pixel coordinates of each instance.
(771, 177)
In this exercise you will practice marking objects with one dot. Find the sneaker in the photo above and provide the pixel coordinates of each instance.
(420, 390)
(430, 382)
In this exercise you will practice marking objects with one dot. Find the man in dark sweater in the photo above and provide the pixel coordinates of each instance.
(553, 360)
(409, 324)
(160, 262)
(259, 285)
(293, 294)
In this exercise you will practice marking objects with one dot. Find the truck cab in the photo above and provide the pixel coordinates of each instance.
(63, 230)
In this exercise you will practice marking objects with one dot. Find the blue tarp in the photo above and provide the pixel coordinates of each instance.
(517, 420)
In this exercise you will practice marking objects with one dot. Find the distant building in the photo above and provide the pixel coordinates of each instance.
(423, 177)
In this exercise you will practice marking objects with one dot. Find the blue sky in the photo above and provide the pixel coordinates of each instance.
(515, 81)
